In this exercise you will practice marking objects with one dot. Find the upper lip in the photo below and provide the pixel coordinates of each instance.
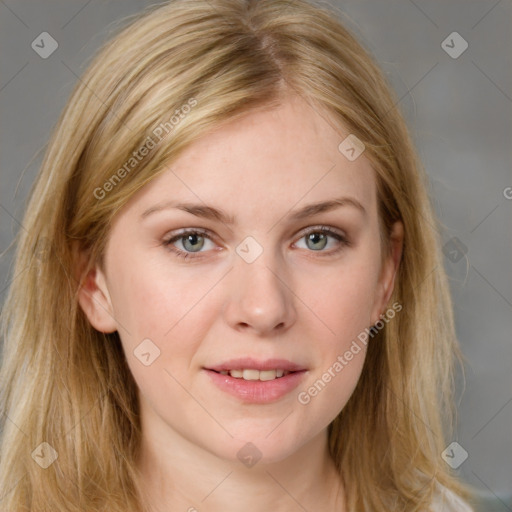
(248, 363)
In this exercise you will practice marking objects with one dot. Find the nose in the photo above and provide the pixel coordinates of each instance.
(260, 298)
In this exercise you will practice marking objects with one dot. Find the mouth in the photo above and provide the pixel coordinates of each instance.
(248, 368)
(257, 381)
(250, 374)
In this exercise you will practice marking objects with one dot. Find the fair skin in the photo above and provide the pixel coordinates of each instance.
(299, 300)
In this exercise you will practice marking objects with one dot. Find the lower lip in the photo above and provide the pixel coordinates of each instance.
(257, 391)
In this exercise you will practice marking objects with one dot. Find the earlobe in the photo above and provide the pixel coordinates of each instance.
(94, 299)
(389, 271)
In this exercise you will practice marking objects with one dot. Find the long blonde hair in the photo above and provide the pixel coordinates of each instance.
(68, 385)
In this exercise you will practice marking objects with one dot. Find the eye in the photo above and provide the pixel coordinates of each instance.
(191, 241)
(188, 243)
(317, 239)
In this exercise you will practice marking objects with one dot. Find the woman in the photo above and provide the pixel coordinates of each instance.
(229, 291)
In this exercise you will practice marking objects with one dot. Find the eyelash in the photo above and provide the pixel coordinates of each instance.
(168, 243)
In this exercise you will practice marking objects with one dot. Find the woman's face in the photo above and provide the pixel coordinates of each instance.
(261, 283)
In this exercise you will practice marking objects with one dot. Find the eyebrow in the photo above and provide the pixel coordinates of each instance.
(209, 212)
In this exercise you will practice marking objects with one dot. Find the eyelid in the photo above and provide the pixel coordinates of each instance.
(186, 231)
(320, 227)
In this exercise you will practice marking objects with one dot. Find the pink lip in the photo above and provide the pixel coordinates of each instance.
(248, 363)
(256, 391)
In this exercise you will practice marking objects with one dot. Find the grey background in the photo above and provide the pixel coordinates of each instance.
(458, 110)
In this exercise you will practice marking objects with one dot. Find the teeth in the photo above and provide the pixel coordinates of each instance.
(251, 375)
(263, 375)
(267, 375)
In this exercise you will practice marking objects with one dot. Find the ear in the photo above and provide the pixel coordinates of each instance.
(94, 299)
(388, 273)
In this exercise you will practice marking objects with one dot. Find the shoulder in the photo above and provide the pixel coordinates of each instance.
(447, 501)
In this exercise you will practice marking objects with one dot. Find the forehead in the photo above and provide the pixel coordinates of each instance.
(265, 162)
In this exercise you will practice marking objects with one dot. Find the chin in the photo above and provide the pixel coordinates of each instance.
(252, 450)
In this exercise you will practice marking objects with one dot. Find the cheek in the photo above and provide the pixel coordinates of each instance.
(344, 305)
(343, 299)
(329, 389)
(172, 308)
(175, 322)
(151, 298)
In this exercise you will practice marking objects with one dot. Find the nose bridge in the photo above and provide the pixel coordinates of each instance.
(259, 296)
(261, 281)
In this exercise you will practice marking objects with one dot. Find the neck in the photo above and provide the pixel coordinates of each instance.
(179, 475)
